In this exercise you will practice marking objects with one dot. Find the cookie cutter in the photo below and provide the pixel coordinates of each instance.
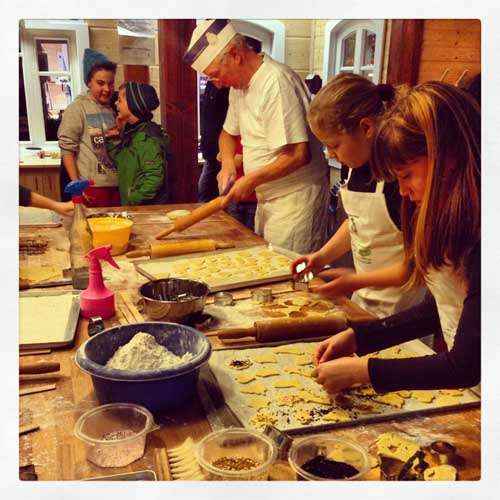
(223, 299)
(300, 286)
(262, 295)
(95, 325)
(446, 453)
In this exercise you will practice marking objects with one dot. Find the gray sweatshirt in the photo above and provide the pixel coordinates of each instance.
(82, 132)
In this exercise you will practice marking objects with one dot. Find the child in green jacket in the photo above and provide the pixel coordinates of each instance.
(143, 148)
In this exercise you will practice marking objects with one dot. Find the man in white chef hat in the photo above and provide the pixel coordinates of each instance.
(283, 161)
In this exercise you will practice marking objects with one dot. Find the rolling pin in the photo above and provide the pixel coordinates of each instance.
(195, 216)
(288, 328)
(43, 367)
(168, 249)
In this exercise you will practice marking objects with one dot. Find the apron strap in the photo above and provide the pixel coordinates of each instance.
(380, 187)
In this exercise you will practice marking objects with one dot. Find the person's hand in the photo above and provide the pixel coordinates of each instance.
(242, 189)
(336, 346)
(64, 208)
(341, 374)
(226, 175)
(342, 281)
(314, 262)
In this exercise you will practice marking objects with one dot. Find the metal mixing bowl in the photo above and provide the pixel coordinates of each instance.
(162, 299)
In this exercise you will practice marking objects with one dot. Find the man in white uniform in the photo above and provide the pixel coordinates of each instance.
(283, 162)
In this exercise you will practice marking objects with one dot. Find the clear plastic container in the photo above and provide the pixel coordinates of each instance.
(236, 442)
(115, 434)
(340, 450)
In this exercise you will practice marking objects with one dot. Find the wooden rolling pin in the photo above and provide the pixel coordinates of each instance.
(43, 367)
(195, 216)
(288, 328)
(168, 249)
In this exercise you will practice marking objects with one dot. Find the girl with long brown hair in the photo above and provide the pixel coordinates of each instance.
(430, 142)
(344, 117)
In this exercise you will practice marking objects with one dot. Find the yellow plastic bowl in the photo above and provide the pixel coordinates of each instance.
(114, 231)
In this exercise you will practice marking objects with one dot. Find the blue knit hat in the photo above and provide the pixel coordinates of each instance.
(90, 59)
(141, 99)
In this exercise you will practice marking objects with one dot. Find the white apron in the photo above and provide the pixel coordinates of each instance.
(376, 242)
(296, 221)
(449, 290)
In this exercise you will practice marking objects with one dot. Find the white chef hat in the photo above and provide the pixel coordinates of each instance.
(207, 41)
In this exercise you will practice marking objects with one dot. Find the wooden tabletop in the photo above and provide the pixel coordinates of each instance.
(58, 455)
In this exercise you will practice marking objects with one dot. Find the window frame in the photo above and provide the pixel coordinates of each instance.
(76, 34)
(337, 30)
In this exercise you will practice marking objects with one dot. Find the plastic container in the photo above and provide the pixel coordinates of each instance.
(114, 231)
(115, 434)
(157, 390)
(341, 450)
(236, 442)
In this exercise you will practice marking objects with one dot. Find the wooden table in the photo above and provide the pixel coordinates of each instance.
(58, 455)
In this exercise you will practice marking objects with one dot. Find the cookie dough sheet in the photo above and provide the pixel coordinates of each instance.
(272, 385)
(223, 269)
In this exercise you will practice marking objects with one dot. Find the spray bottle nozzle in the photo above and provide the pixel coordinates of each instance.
(76, 188)
(102, 253)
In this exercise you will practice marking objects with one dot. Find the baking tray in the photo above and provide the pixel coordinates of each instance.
(144, 267)
(38, 217)
(236, 400)
(66, 336)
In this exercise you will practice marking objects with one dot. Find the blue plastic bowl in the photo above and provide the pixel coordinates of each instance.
(157, 390)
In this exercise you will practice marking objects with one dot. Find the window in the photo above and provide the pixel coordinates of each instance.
(355, 47)
(49, 76)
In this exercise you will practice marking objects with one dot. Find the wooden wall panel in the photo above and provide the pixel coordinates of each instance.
(405, 47)
(453, 44)
(136, 73)
(178, 101)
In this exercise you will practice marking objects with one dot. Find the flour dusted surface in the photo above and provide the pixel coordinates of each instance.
(142, 352)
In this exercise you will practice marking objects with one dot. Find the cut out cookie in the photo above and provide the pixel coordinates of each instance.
(440, 473)
(267, 357)
(442, 400)
(244, 378)
(304, 360)
(255, 388)
(283, 383)
(423, 396)
(267, 372)
(263, 418)
(393, 445)
(287, 399)
(337, 416)
(391, 399)
(303, 416)
(288, 349)
(456, 393)
(258, 402)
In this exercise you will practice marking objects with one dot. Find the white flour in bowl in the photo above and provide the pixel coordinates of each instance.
(142, 352)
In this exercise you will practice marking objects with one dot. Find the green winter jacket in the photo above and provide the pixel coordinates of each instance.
(141, 156)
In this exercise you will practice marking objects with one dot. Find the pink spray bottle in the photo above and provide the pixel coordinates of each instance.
(97, 300)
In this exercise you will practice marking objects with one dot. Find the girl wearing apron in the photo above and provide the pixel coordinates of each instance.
(430, 142)
(343, 116)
